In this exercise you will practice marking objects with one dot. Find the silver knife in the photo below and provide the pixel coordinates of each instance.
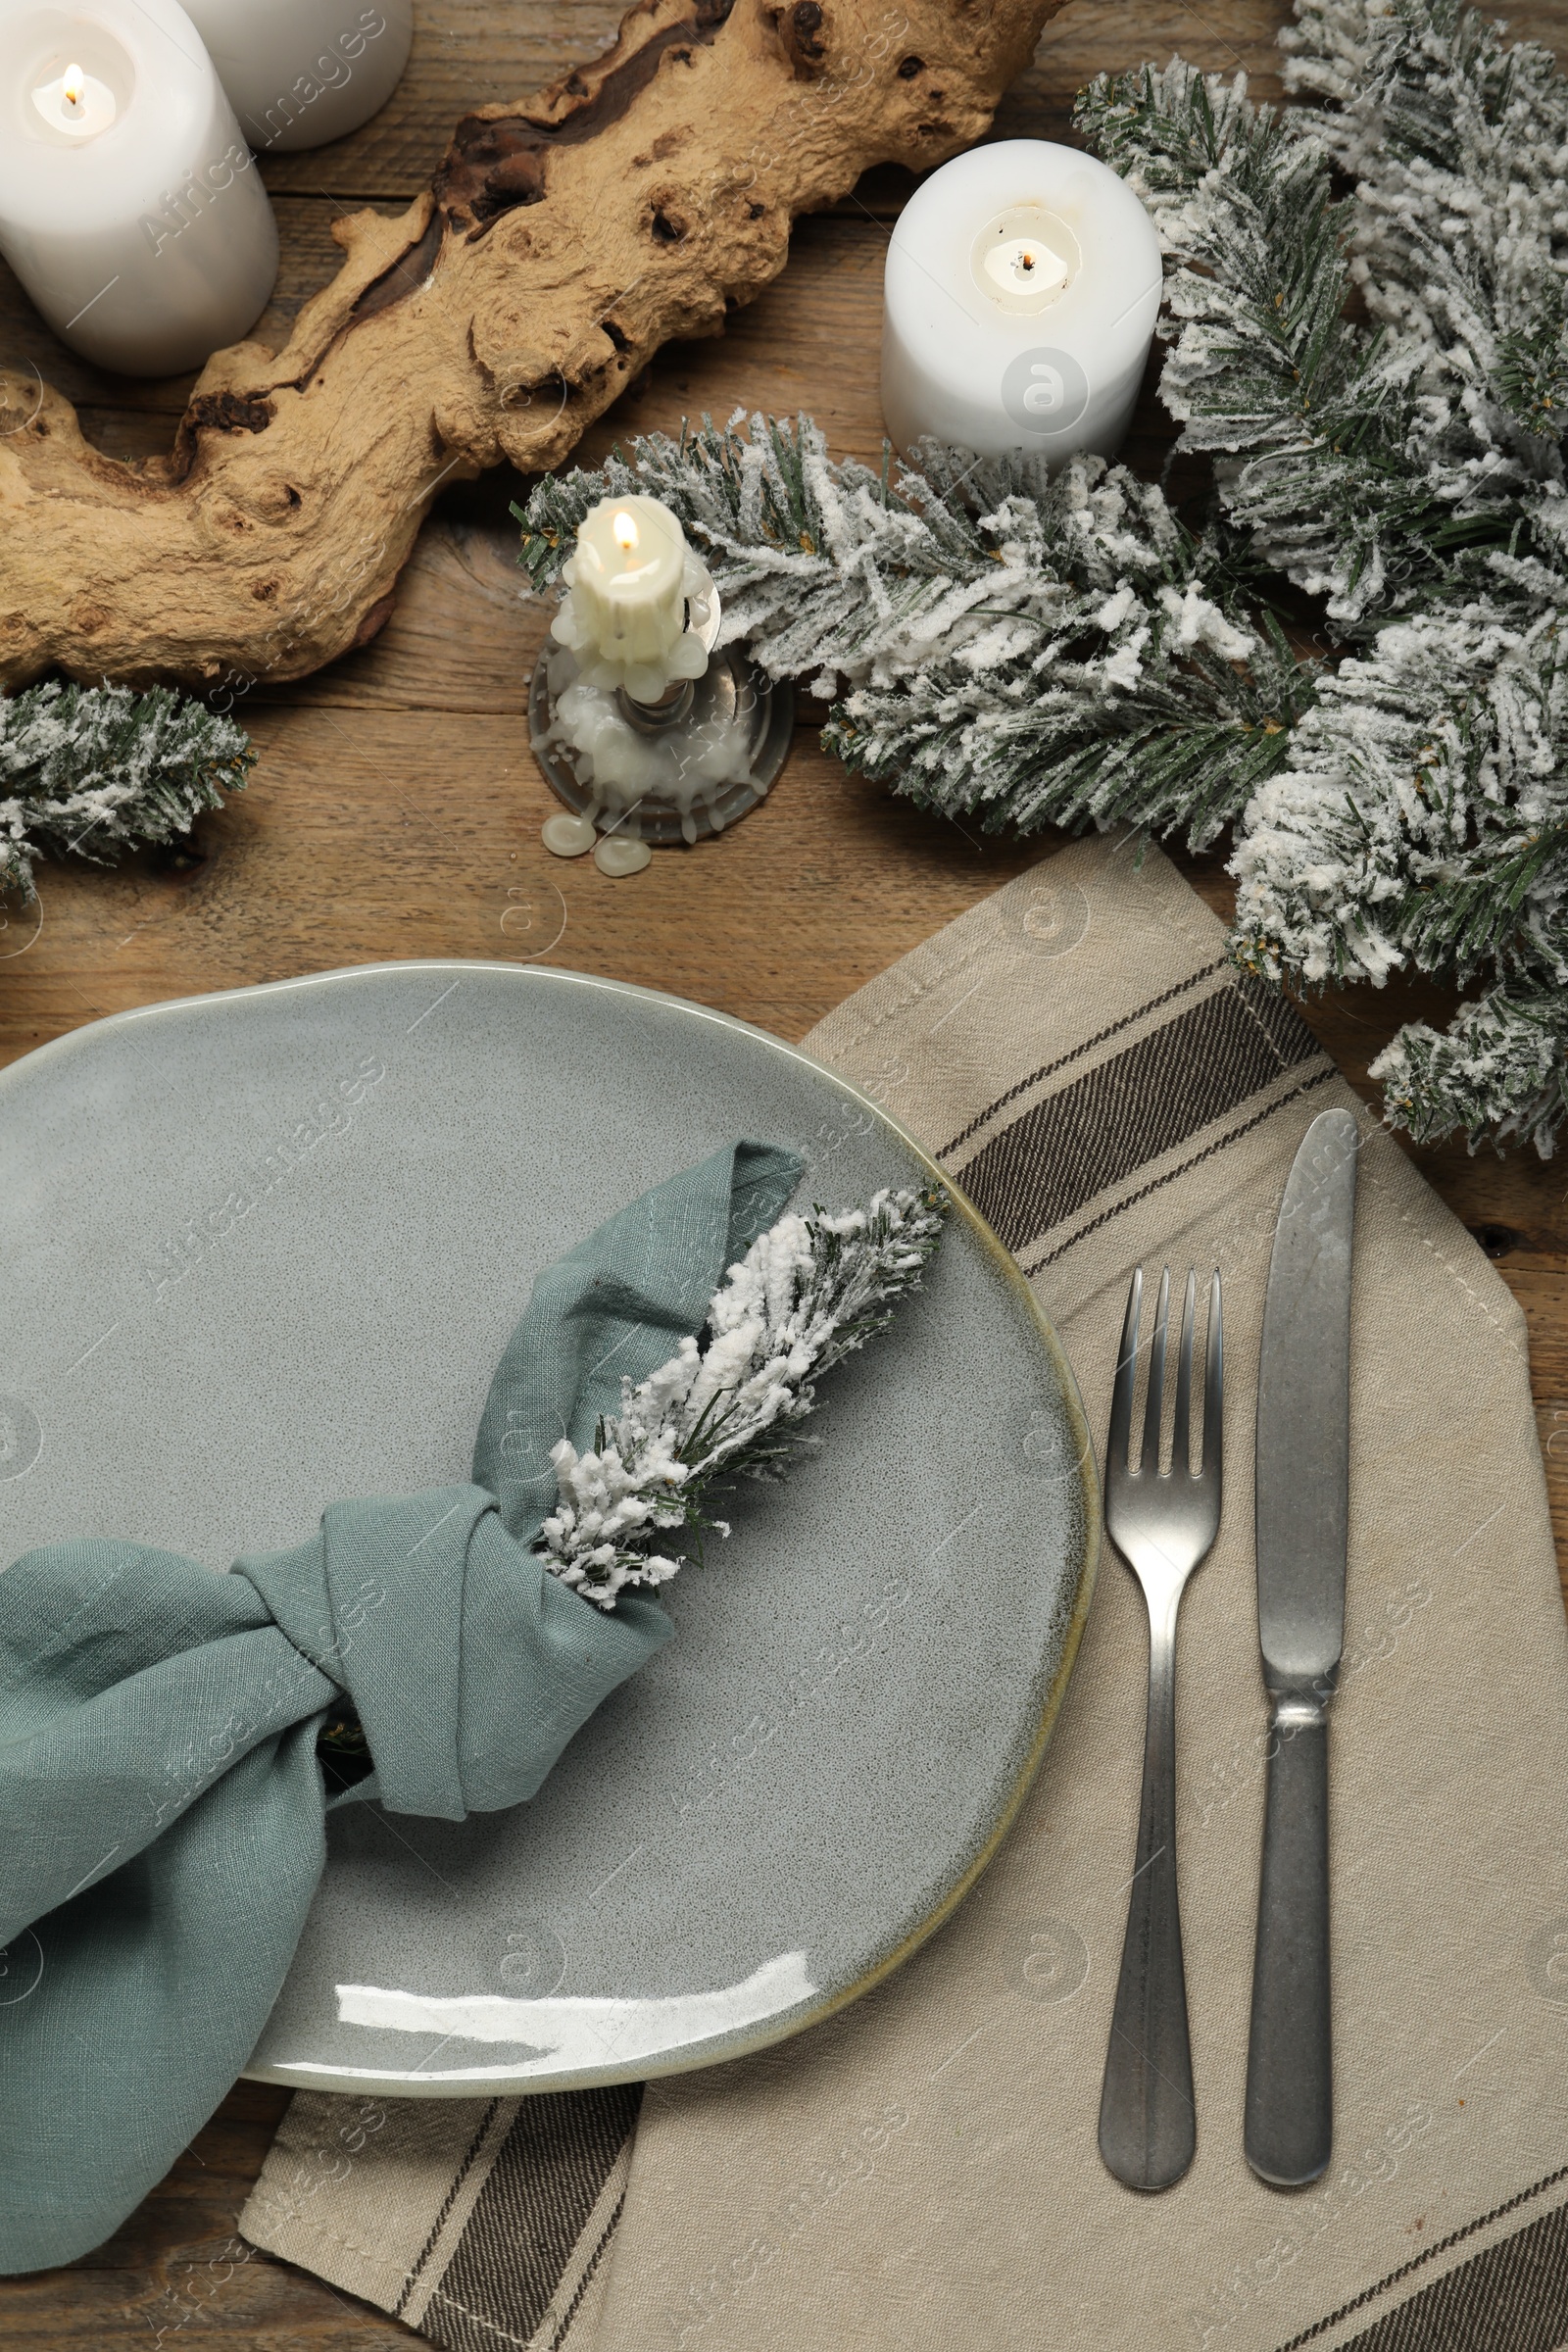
(1303, 1447)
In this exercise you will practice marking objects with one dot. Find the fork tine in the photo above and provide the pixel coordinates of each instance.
(1148, 1467)
(1118, 1445)
(1181, 1455)
(1215, 1384)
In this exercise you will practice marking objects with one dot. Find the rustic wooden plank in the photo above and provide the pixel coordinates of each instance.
(363, 836)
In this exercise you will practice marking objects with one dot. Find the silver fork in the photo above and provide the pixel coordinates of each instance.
(1163, 1523)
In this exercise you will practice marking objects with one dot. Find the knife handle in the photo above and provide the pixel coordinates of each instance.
(1290, 2060)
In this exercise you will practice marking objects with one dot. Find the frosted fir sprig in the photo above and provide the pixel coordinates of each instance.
(808, 1293)
(94, 770)
(1499, 1068)
(1422, 818)
(1392, 462)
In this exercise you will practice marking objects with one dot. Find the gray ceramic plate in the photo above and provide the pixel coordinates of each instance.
(263, 1250)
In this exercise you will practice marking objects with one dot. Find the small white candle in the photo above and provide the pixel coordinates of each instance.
(1022, 290)
(129, 207)
(626, 614)
(299, 73)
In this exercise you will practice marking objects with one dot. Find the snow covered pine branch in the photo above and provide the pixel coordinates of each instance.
(1377, 385)
(97, 769)
(807, 1293)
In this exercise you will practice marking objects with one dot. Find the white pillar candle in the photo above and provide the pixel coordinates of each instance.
(1022, 290)
(299, 73)
(129, 206)
(626, 614)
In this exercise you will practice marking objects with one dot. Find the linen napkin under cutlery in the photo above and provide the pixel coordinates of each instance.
(921, 2170)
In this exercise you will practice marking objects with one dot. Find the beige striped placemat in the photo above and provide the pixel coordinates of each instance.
(921, 2173)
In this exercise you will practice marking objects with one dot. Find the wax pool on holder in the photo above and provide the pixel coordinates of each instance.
(129, 206)
(1022, 290)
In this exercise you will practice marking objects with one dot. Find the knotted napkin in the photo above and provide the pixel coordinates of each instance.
(159, 1779)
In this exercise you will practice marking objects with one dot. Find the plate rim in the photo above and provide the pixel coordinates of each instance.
(740, 2041)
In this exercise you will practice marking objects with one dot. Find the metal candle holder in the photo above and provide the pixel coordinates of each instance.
(731, 690)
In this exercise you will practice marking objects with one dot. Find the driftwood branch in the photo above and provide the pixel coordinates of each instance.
(562, 242)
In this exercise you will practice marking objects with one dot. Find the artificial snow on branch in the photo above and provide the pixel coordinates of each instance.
(1025, 651)
(807, 1293)
(1407, 469)
(96, 769)
(1423, 817)
(1379, 384)
(1416, 458)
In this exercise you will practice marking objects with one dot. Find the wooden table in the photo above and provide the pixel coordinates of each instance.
(395, 811)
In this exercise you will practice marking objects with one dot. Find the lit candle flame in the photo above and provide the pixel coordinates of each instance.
(74, 88)
(1025, 267)
(624, 526)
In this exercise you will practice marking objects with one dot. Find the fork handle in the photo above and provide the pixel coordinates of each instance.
(1147, 2123)
(1289, 2129)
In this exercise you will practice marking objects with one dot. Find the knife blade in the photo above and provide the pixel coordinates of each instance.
(1303, 1515)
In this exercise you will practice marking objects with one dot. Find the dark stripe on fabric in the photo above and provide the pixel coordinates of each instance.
(1049, 1069)
(1221, 1143)
(611, 2224)
(1137, 1105)
(1512, 2298)
(1419, 2261)
(529, 2217)
(463, 2171)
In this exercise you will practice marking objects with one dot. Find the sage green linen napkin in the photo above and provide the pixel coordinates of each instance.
(159, 1781)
